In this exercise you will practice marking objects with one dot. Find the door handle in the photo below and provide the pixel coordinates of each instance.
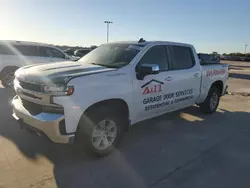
(169, 78)
(196, 75)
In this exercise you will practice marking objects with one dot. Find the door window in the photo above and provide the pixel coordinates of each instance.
(27, 50)
(156, 55)
(182, 58)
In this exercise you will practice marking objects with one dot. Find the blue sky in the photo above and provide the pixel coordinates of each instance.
(210, 25)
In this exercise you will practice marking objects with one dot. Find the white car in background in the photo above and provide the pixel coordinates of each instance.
(15, 54)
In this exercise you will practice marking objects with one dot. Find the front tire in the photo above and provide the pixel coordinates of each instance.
(100, 131)
(212, 101)
(8, 77)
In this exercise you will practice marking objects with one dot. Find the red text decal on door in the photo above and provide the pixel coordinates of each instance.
(152, 89)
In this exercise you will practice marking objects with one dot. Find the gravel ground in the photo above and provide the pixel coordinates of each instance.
(239, 77)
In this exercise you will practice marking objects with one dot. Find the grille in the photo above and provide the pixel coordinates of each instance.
(30, 86)
(35, 109)
(30, 95)
(31, 107)
(53, 109)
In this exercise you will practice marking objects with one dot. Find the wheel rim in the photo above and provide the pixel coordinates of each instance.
(104, 134)
(214, 101)
(9, 79)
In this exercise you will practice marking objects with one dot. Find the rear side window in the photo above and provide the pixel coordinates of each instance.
(182, 58)
(27, 50)
(156, 55)
(6, 50)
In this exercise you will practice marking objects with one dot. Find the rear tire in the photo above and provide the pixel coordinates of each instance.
(212, 101)
(8, 77)
(93, 135)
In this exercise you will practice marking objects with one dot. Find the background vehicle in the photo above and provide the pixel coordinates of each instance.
(116, 85)
(69, 51)
(92, 47)
(15, 54)
(82, 52)
(208, 58)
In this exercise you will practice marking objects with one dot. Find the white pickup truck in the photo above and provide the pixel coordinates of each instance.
(95, 100)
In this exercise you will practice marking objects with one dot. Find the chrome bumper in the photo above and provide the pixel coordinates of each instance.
(45, 122)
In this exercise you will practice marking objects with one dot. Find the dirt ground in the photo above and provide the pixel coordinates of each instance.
(239, 76)
(182, 149)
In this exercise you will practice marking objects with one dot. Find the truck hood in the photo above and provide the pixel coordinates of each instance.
(57, 73)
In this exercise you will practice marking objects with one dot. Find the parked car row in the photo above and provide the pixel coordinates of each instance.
(208, 58)
(79, 52)
(235, 58)
(69, 51)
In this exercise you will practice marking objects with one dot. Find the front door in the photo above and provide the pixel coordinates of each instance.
(175, 87)
(150, 94)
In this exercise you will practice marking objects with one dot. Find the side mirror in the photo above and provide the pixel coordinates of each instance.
(146, 69)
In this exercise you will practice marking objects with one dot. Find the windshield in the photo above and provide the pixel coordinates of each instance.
(115, 55)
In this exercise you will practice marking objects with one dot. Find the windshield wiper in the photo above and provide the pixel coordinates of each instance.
(97, 64)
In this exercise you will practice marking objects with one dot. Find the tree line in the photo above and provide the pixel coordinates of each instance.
(237, 54)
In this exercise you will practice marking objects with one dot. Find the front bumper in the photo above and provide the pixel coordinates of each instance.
(47, 123)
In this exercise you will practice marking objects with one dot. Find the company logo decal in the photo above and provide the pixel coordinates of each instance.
(152, 89)
(168, 79)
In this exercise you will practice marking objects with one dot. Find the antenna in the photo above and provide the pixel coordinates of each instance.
(141, 40)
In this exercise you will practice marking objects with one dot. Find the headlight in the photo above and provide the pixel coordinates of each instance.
(54, 88)
(59, 90)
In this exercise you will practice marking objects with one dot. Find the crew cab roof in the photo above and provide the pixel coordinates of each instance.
(153, 42)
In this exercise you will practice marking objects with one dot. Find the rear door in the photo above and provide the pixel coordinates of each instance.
(184, 74)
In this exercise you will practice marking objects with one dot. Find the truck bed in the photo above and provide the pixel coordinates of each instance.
(210, 74)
